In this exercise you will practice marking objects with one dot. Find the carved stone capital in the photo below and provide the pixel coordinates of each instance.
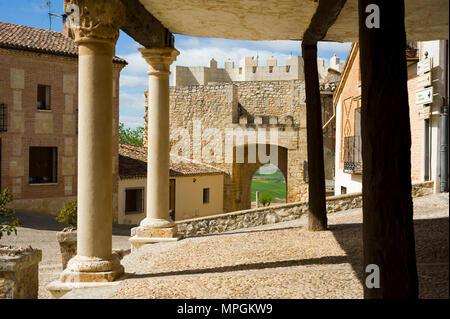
(95, 20)
(159, 59)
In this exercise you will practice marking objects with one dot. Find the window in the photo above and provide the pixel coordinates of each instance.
(254, 69)
(3, 118)
(240, 70)
(343, 190)
(288, 68)
(43, 97)
(270, 69)
(43, 165)
(205, 195)
(134, 200)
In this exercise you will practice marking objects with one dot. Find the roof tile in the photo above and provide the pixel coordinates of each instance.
(133, 164)
(19, 37)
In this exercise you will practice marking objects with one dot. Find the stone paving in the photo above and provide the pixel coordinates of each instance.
(39, 231)
(282, 260)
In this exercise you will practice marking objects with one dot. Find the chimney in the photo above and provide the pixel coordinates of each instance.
(66, 28)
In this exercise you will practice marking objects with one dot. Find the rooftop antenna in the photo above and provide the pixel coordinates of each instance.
(50, 13)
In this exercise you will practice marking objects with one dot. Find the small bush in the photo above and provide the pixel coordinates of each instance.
(8, 221)
(266, 198)
(68, 214)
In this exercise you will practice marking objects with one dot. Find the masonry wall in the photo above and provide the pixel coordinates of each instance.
(248, 70)
(275, 214)
(417, 128)
(27, 126)
(200, 116)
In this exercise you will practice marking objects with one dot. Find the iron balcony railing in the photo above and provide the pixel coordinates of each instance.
(352, 155)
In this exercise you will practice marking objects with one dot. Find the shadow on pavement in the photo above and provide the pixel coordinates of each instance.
(47, 222)
(327, 260)
(432, 253)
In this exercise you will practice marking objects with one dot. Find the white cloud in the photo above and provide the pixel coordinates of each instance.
(333, 47)
(131, 121)
(136, 64)
(131, 102)
(198, 51)
(127, 80)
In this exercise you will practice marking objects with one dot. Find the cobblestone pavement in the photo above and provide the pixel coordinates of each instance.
(39, 231)
(282, 260)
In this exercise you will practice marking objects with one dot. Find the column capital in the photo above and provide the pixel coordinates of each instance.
(159, 59)
(95, 20)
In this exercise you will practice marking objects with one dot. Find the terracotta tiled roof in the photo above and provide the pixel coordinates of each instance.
(19, 37)
(133, 164)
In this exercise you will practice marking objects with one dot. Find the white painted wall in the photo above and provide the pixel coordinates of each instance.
(188, 197)
(435, 51)
(353, 183)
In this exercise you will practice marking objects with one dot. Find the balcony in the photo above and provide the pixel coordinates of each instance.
(352, 155)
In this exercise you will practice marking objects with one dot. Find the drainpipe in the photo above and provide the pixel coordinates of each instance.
(444, 127)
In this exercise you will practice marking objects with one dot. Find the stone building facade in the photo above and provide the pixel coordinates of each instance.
(201, 116)
(425, 128)
(38, 118)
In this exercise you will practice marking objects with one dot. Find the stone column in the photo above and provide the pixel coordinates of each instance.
(96, 36)
(157, 226)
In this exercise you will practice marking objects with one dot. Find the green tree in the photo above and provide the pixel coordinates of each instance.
(266, 198)
(68, 214)
(131, 136)
(8, 221)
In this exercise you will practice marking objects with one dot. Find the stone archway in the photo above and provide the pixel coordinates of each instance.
(242, 173)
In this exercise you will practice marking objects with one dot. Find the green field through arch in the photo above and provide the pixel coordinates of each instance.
(274, 184)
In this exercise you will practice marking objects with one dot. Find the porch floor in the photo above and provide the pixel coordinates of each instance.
(282, 260)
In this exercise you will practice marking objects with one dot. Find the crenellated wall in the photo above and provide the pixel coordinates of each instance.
(200, 116)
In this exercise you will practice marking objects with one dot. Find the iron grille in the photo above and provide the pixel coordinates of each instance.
(352, 155)
(3, 118)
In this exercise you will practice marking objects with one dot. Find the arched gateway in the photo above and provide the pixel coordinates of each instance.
(240, 126)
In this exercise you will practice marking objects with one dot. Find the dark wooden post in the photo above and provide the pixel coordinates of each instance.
(388, 232)
(316, 175)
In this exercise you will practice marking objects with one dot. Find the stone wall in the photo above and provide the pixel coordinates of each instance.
(275, 214)
(28, 127)
(261, 216)
(200, 116)
(422, 188)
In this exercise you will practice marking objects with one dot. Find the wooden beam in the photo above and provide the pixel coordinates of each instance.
(316, 173)
(388, 233)
(324, 17)
(144, 28)
(326, 14)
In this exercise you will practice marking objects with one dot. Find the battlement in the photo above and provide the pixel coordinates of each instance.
(249, 69)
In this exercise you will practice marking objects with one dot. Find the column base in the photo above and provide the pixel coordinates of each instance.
(151, 235)
(92, 269)
(84, 272)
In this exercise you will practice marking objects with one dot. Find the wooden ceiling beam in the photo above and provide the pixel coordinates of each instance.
(325, 16)
(144, 28)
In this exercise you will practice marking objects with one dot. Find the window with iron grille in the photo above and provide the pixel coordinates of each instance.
(352, 154)
(3, 118)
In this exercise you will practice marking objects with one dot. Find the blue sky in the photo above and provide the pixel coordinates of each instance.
(193, 52)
